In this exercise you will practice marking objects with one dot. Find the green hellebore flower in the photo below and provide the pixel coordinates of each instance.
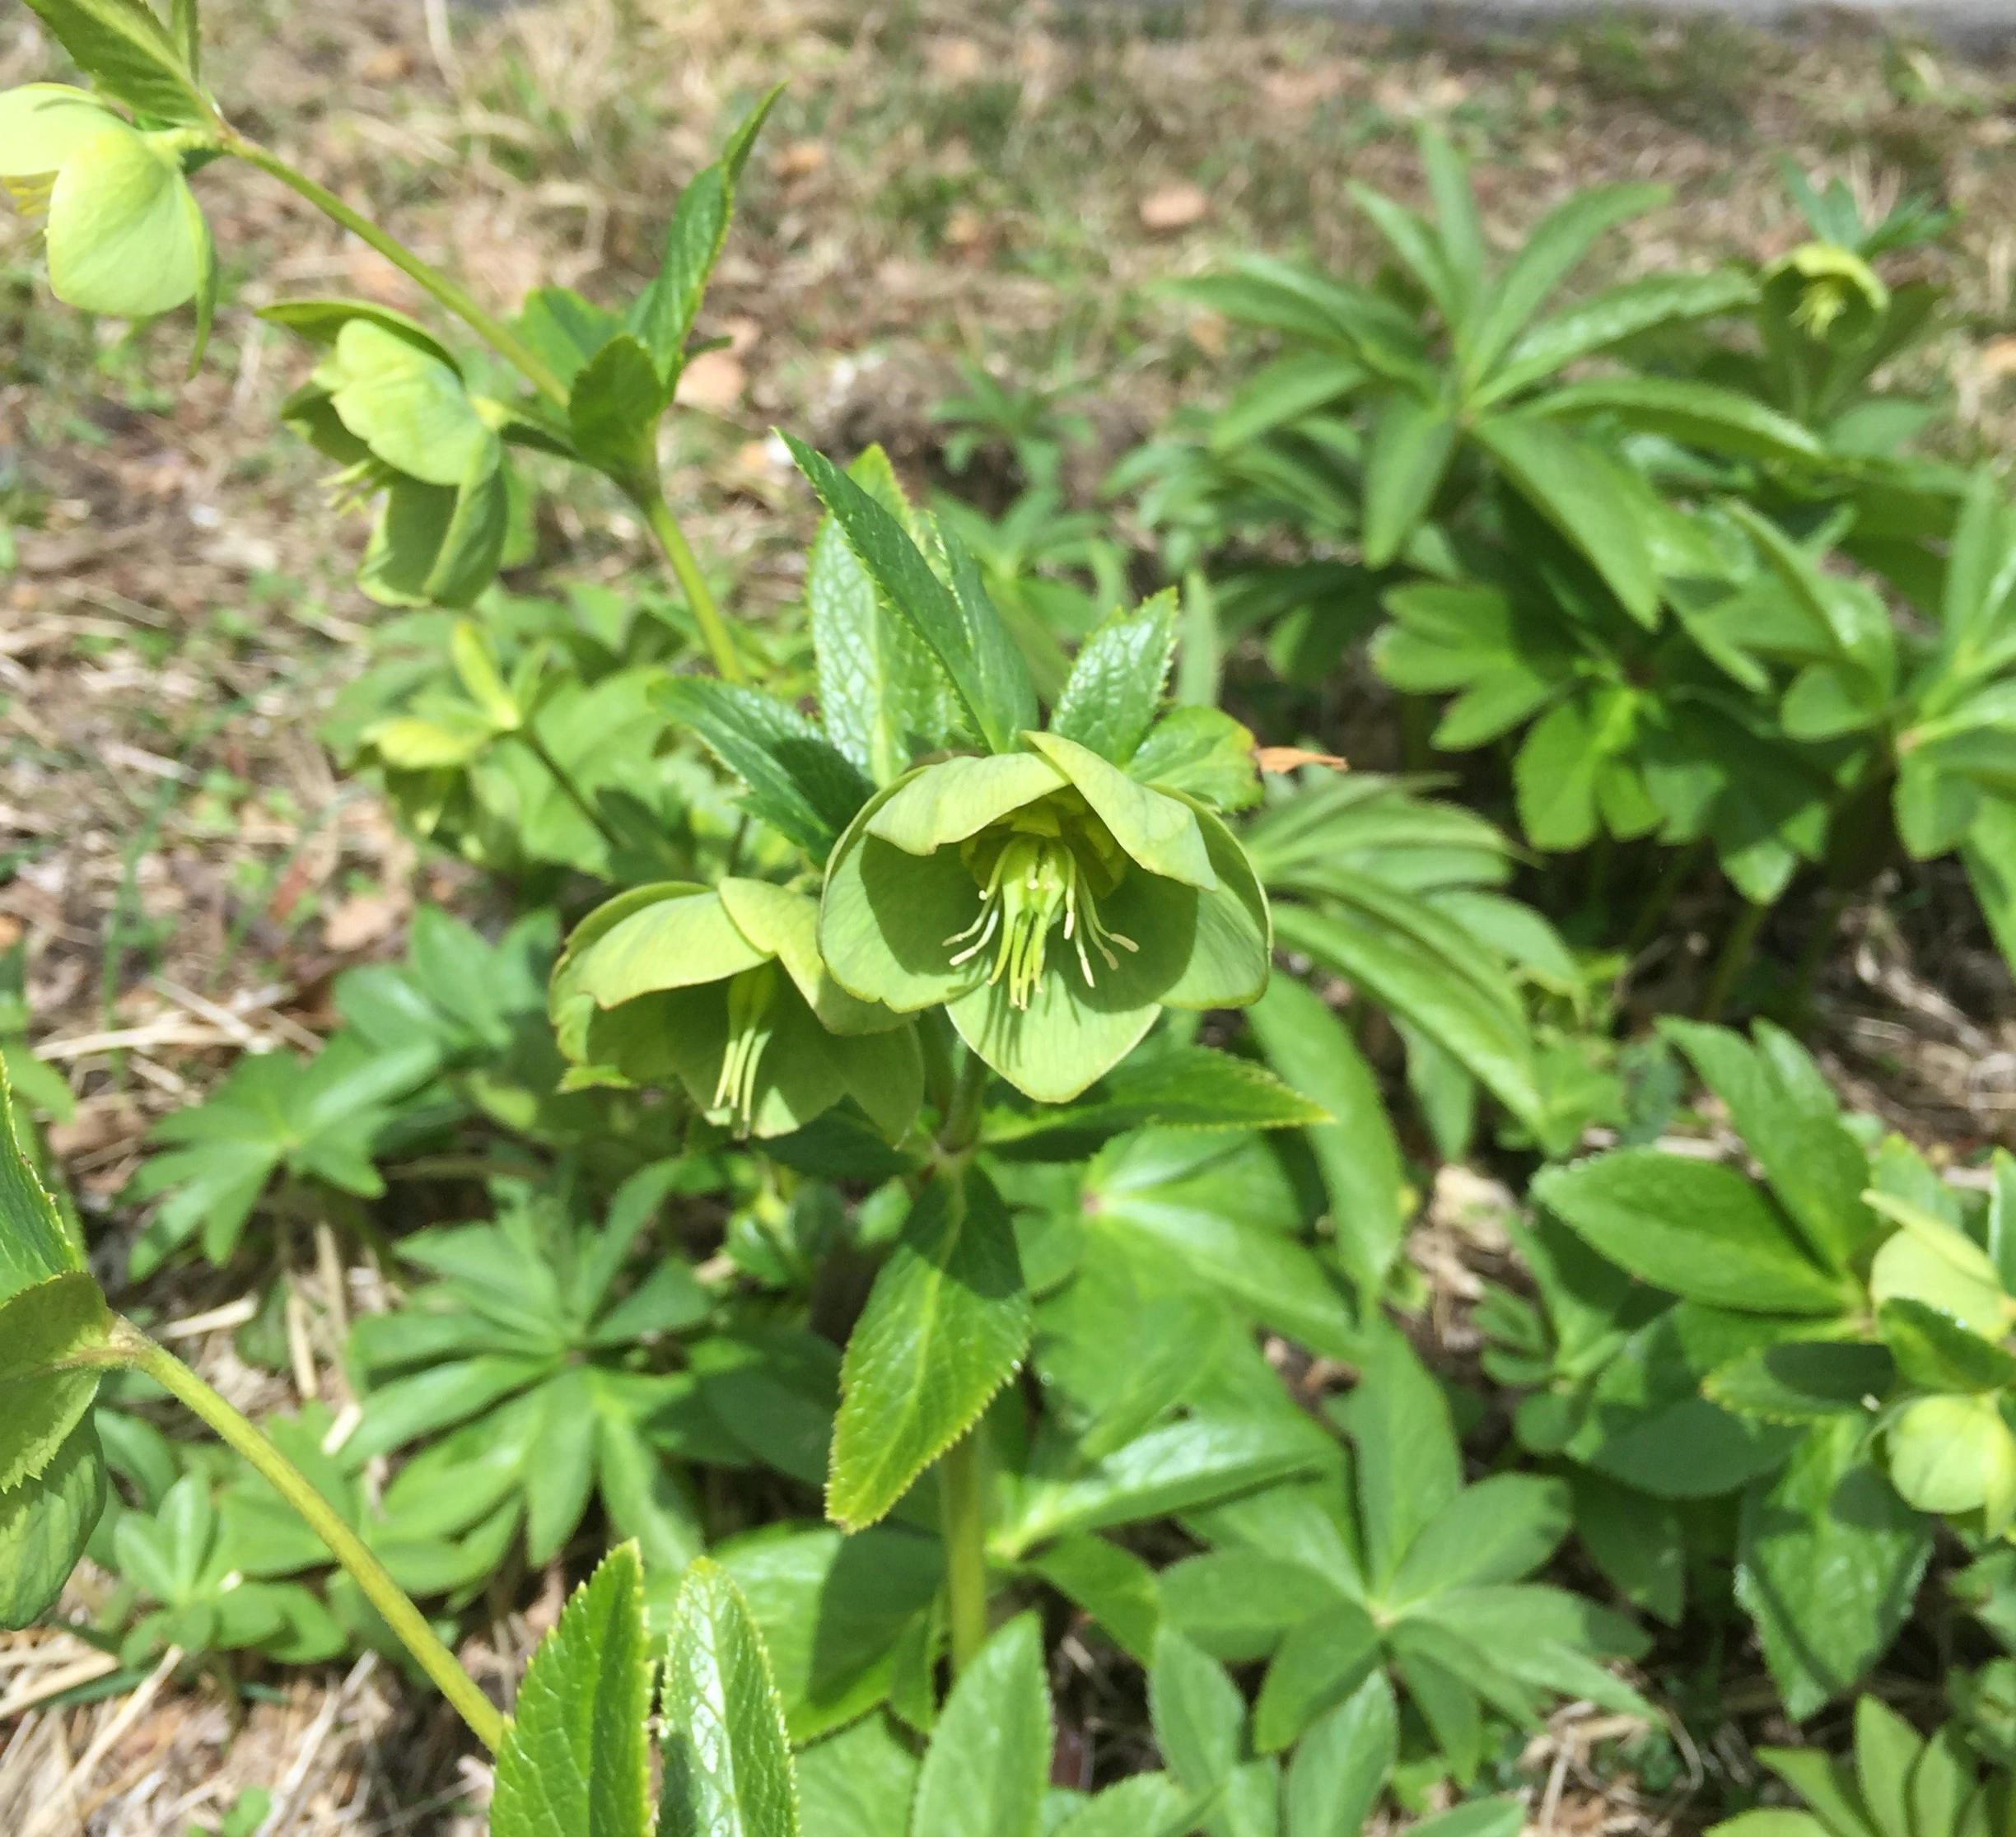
(1053, 903)
(1831, 286)
(393, 412)
(724, 990)
(125, 236)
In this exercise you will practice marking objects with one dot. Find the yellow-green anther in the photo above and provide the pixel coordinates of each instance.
(752, 1020)
(1035, 882)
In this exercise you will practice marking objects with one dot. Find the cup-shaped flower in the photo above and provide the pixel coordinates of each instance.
(390, 409)
(1053, 903)
(125, 234)
(723, 990)
(1829, 292)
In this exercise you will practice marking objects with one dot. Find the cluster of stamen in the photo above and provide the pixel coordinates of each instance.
(1031, 877)
(752, 1020)
(31, 195)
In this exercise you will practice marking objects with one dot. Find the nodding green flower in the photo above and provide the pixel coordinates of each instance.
(125, 234)
(1053, 903)
(1830, 286)
(723, 991)
(390, 407)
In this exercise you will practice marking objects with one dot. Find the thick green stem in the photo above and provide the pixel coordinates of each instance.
(964, 1513)
(962, 1125)
(678, 553)
(129, 1346)
(1736, 950)
(490, 329)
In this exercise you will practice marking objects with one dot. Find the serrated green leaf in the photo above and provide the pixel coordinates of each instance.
(574, 1758)
(44, 1526)
(1109, 701)
(43, 1326)
(34, 1243)
(727, 1761)
(1340, 1765)
(962, 630)
(946, 1326)
(883, 698)
(126, 51)
(799, 782)
(1802, 1381)
(860, 1783)
(1410, 453)
(1203, 752)
(1321, 1663)
(1935, 1352)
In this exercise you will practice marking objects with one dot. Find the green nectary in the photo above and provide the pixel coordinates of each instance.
(125, 233)
(1053, 905)
(723, 990)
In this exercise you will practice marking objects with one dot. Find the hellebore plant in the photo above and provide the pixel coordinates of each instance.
(1052, 904)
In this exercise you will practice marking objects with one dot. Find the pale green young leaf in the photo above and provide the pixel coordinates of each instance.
(727, 1761)
(1203, 752)
(1283, 391)
(1826, 1784)
(406, 404)
(1932, 1260)
(1109, 701)
(574, 1758)
(1500, 1530)
(1458, 232)
(1954, 1454)
(1887, 1749)
(130, 55)
(946, 1326)
(1417, 245)
(989, 1759)
(962, 630)
(1933, 1351)
(321, 323)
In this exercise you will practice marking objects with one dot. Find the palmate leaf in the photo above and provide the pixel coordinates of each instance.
(946, 1326)
(574, 1757)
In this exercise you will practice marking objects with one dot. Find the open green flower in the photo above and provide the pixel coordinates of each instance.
(1827, 290)
(125, 234)
(1053, 903)
(724, 990)
(388, 404)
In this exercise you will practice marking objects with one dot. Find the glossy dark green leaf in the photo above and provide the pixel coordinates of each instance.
(1802, 1381)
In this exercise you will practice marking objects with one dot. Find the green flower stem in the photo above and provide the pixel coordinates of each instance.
(962, 1123)
(574, 794)
(129, 1345)
(1736, 951)
(678, 553)
(963, 1514)
(490, 329)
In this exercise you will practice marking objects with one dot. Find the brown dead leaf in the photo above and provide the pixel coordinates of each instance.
(1290, 759)
(387, 64)
(713, 381)
(1998, 359)
(799, 160)
(1175, 207)
(956, 60)
(359, 921)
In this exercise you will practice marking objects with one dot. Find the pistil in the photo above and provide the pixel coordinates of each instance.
(1035, 882)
